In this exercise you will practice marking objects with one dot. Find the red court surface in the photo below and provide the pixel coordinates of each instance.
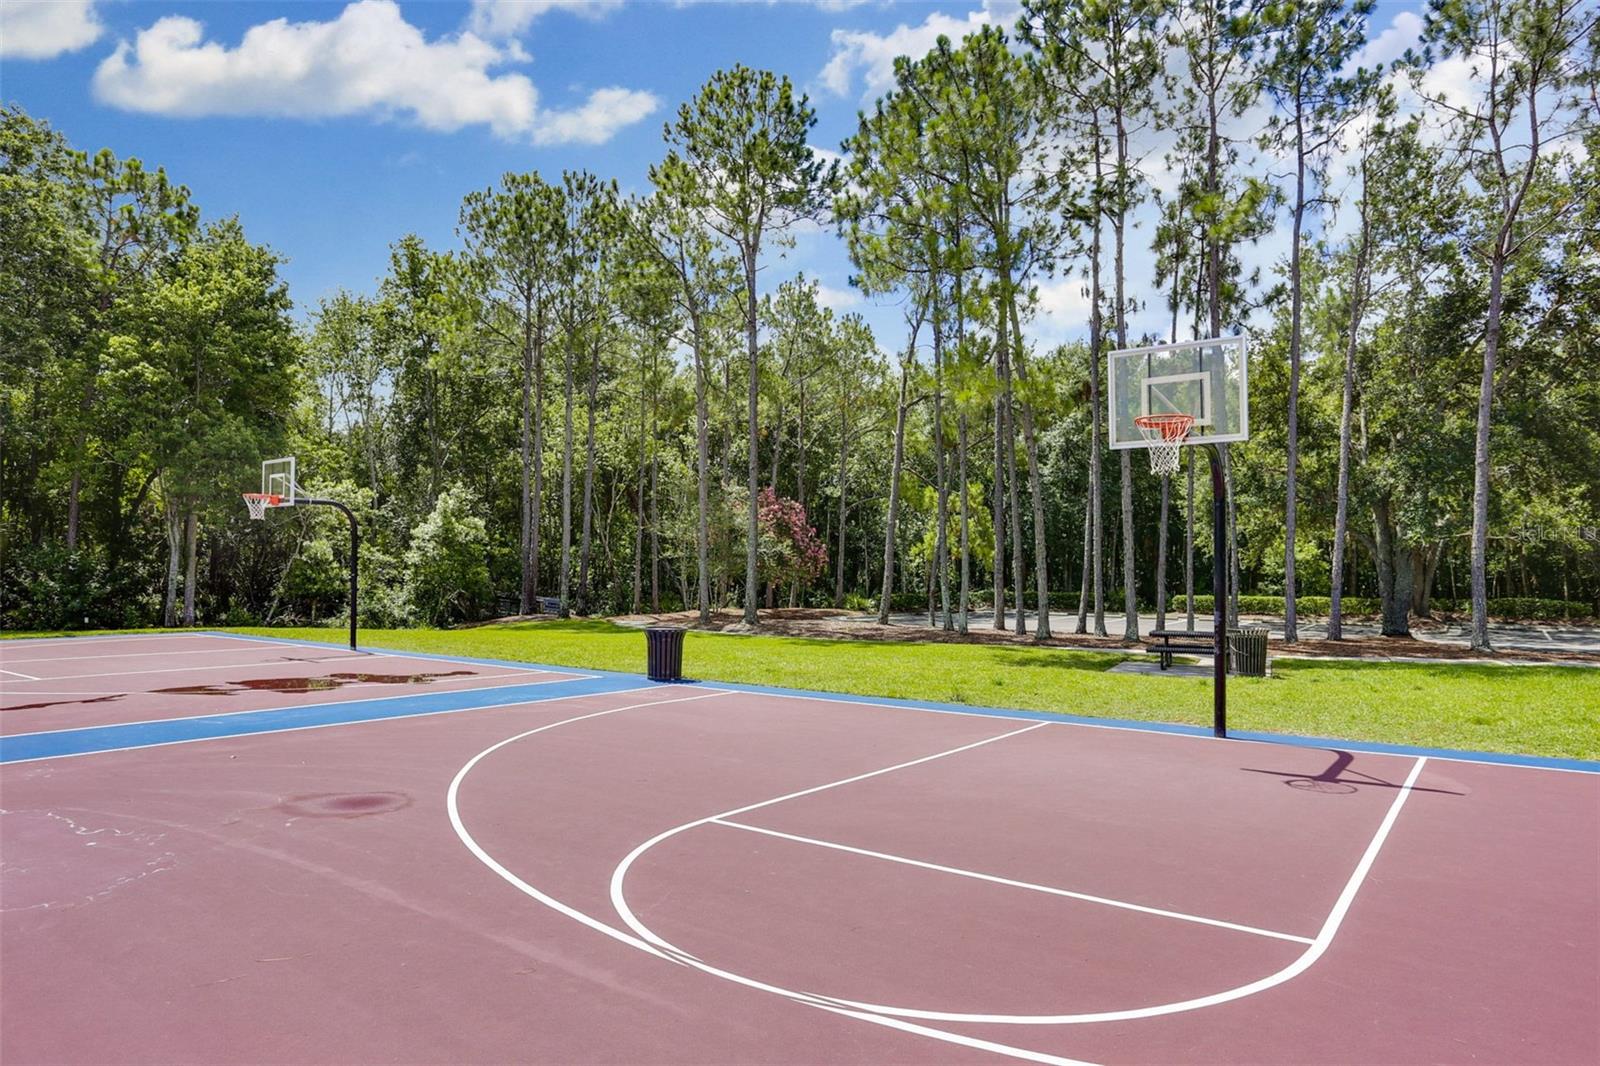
(70, 683)
(692, 874)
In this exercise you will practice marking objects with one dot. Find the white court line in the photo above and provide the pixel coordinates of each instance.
(1122, 904)
(231, 649)
(223, 666)
(293, 706)
(19, 673)
(1307, 958)
(425, 687)
(452, 804)
(108, 638)
(1312, 953)
(1318, 743)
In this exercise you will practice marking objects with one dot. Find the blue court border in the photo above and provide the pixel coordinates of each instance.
(27, 747)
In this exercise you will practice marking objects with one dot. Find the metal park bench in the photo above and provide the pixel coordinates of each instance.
(1170, 641)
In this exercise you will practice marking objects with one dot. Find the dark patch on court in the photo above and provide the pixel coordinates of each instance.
(343, 804)
(308, 684)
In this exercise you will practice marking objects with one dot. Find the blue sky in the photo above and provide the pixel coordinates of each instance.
(332, 129)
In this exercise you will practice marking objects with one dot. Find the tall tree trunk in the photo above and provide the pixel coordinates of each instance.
(191, 546)
(1480, 455)
(1130, 593)
(1188, 554)
(799, 476)
(1009, 435)
(1233, 536)
(752, 533)
(566, 487)
(1161, 554)
(655, 501)
(638, 511)
(1291, 631)
(529, 564)
(1030, 442)
(966, 547)
(702, 443)
(1394, 571)
(965, 608)
(894, 482)
(1424, 564)
(169, 598)
(941, 543)
(588, 485)
(1341, 520)
(999, 515)
(1014, 515)
(1088, 564)
(844, 456)
(1096, 462)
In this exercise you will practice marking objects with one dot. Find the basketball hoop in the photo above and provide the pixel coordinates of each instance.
(1166, 434)
(258, 502)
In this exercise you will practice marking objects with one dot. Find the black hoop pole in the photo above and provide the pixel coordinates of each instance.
(355, 555)
(1219, 594)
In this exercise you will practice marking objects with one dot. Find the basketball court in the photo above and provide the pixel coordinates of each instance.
(229, 849)
(221, 848)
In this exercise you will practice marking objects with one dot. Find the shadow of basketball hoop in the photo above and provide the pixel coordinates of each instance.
(1317, 784)
(1338, 779)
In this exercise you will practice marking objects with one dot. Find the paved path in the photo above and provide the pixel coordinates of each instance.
(1505, 636)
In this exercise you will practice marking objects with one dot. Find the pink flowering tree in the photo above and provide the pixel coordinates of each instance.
(789, 549)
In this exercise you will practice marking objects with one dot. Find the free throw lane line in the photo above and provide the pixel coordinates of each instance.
(992, 879)
(1330, 927)
(19, 673)
(452, 804)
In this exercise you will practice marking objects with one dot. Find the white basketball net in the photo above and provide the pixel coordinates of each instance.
(1166, 434)
(258, 502)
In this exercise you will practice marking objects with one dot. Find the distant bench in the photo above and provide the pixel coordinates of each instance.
(549, 605)
(1169, 641)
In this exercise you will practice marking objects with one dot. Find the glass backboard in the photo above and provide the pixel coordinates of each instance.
(1208, 379)
(277, 479)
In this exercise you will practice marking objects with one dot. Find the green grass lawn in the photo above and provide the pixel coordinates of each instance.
(1536, 710)
(1528, 709)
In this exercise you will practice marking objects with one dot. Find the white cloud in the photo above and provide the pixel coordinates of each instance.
(836, 299)
(598, 120)
(44, 29)
(1062, 310)
(1404, 31)
(368, 61)
(873, 54)
(508, 18)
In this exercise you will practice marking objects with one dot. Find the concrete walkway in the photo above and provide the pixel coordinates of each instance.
(1505, 636)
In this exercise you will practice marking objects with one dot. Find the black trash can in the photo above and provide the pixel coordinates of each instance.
(1247, 651)
(664, 653)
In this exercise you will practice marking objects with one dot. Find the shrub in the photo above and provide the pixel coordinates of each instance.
(49, 587)
(315, 582)
(447, 572)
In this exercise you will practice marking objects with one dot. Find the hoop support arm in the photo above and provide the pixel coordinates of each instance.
(355, 553)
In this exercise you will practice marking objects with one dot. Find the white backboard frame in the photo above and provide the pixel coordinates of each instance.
(1130, 437)
(278, 479)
